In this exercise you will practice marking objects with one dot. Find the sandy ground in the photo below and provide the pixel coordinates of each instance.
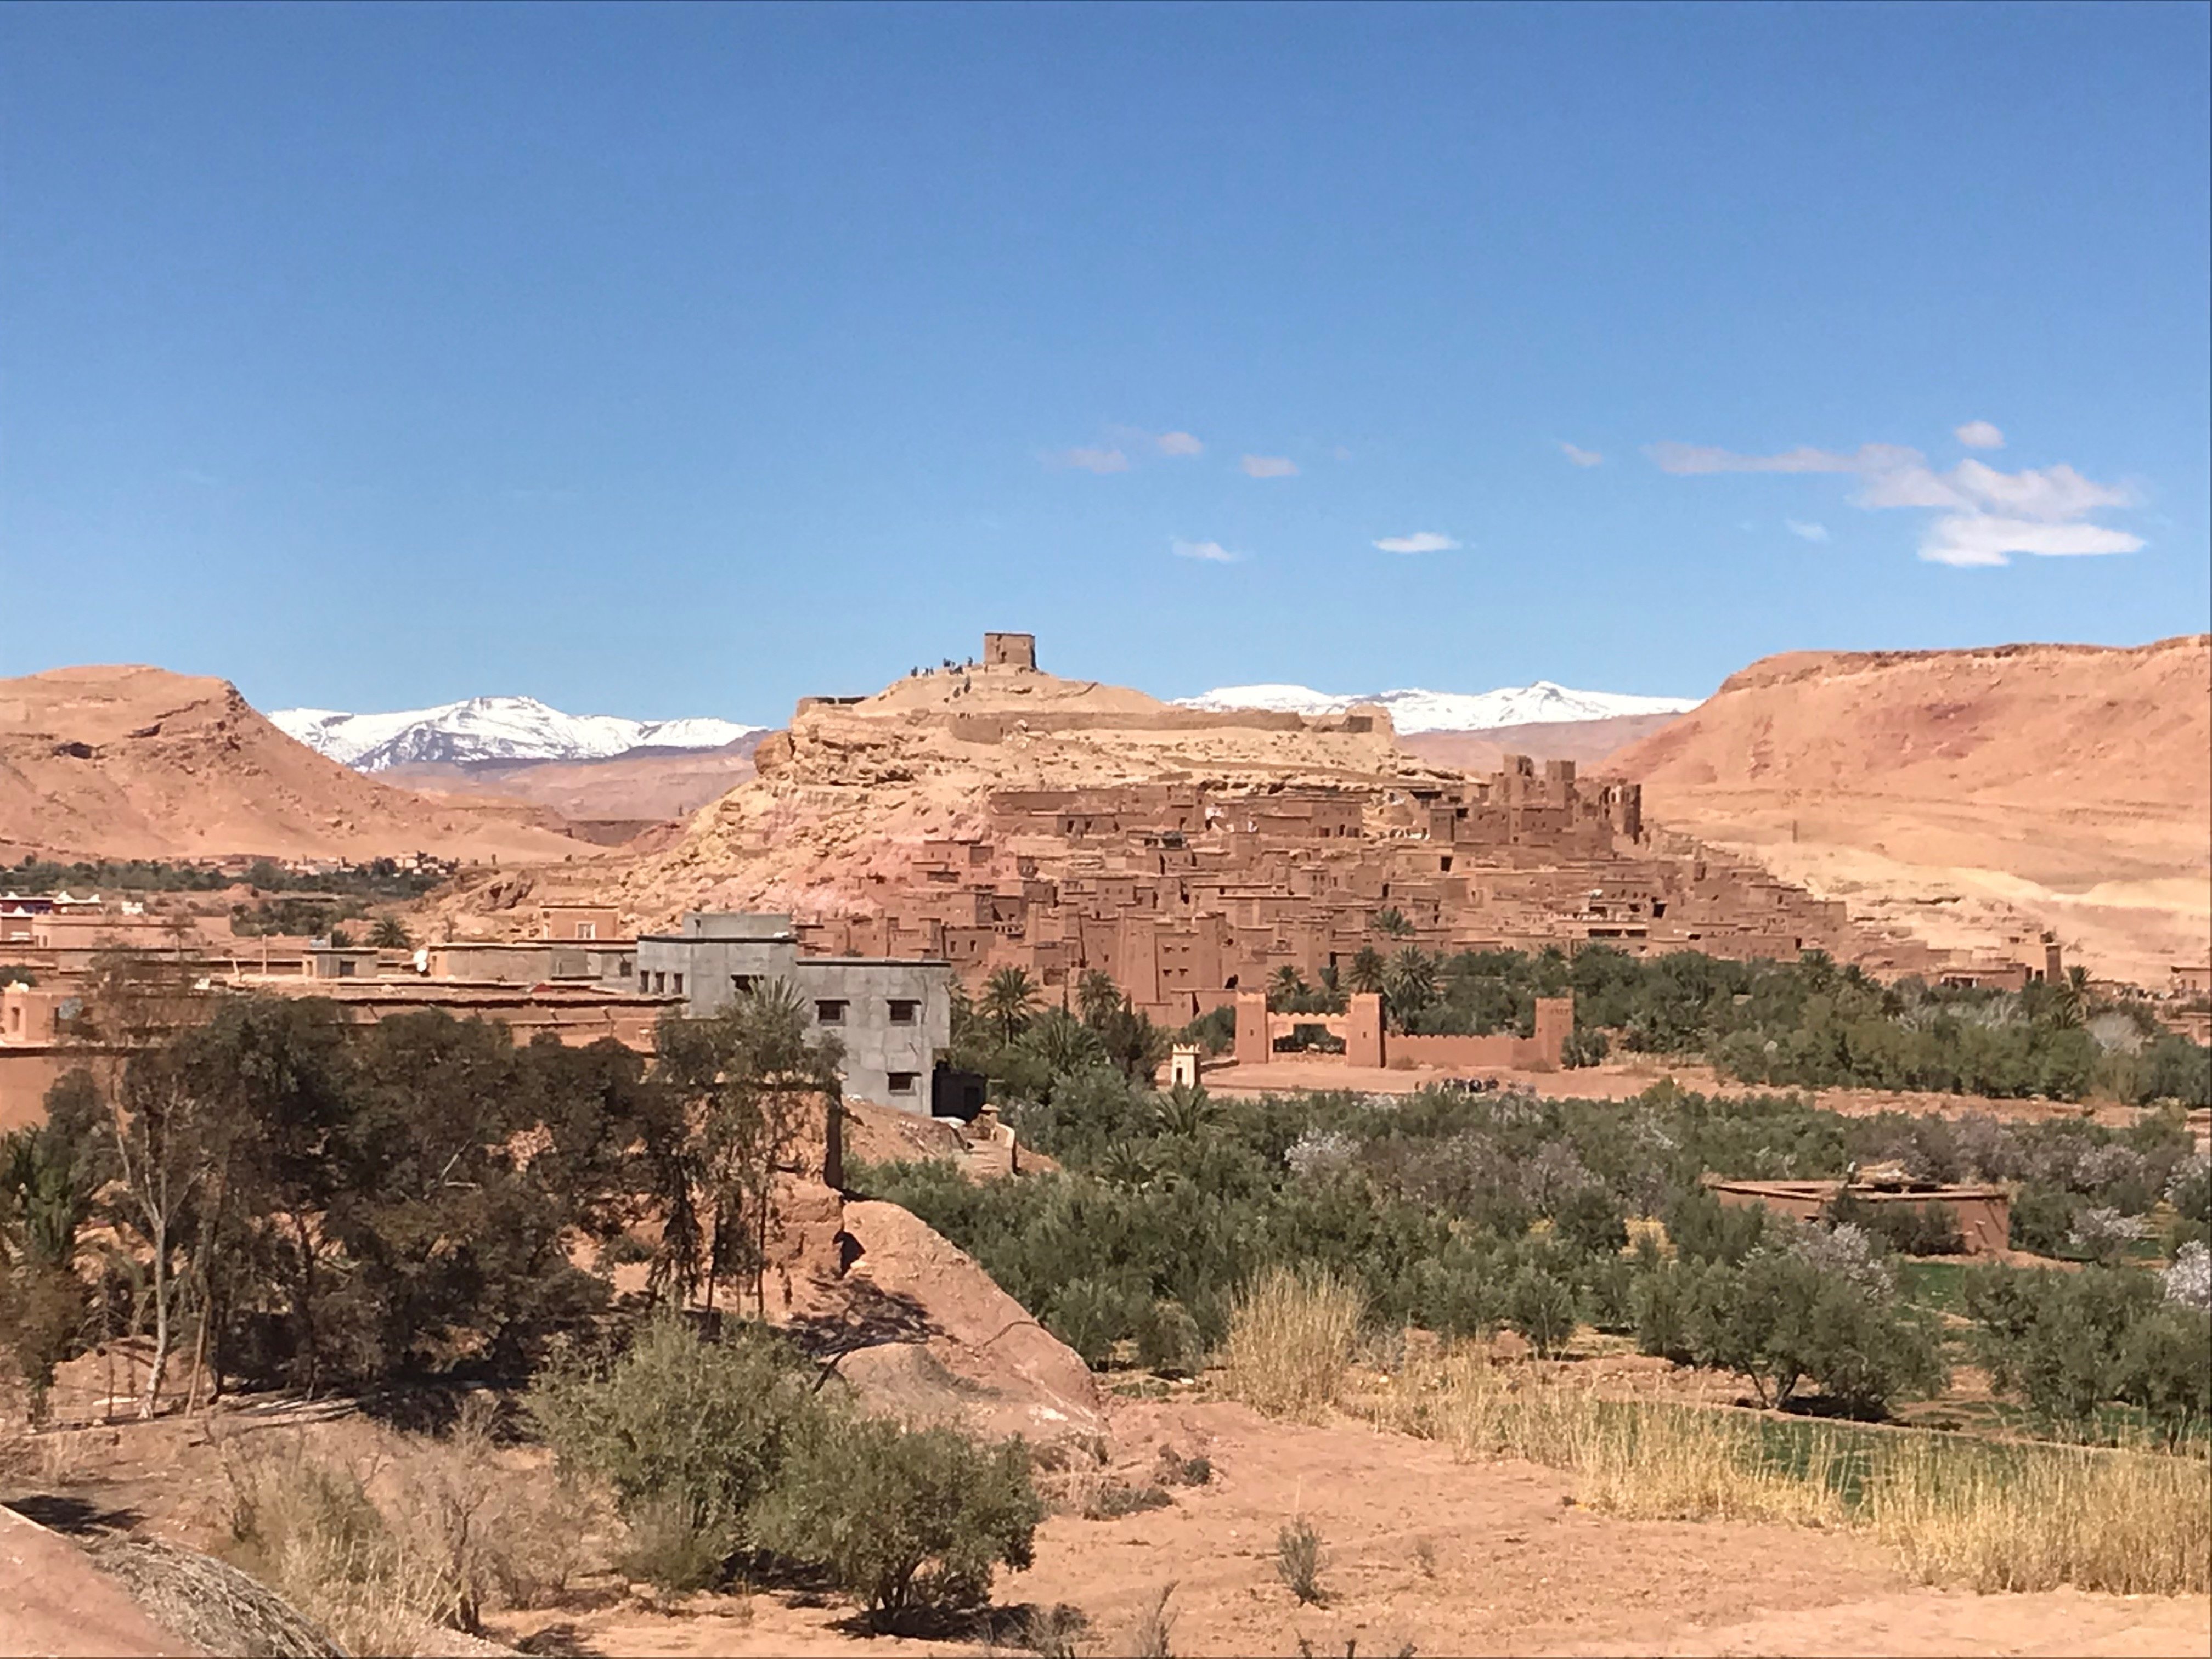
(1510, 1566)
(1447, 1557)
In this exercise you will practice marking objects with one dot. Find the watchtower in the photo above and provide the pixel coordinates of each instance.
(1010, 651)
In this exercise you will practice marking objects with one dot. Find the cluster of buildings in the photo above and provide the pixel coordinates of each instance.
(1186, 894)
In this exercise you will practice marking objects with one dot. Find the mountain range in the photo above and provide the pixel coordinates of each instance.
(481, 730)
(493, 729)
(1413, 710)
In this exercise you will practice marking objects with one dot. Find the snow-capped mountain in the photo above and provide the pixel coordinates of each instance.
(1415, 710)
(492, 728)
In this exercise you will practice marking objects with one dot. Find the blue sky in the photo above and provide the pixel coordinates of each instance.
(683, 361)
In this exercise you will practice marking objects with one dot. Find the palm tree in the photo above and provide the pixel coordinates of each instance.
(1009, 997)
(1183, 1110)
(1409, 983)
(2071, 996)
(390, 933)
(1284, 987)
(1096, 997)
(1366, 971)
(1390, 922)
(1063, 1042)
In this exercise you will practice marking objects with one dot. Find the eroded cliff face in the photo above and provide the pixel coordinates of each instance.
(1966, 793)
(139, 763)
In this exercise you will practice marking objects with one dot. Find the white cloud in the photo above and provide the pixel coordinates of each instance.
(1210, 552)
(1580, 456)
(1978, 434)
(1090, 460)
(1268, 467)
(1178, 443)
(1421, 541)
(1700, 458)
(1986, 538)
(1988, 514)
(1811, 532)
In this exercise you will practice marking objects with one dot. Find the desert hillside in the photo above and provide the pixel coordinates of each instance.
(1960, 791)
(645, 784)
(1589, 744)
(140, 763)
(844, 800)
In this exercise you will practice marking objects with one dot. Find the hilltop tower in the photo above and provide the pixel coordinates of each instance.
(1010, 651)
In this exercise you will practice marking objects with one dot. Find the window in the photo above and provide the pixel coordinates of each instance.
(587, 930)
(902, 1083)
(744, 984)
(830, 1012)
(623, 966)
(676, 984)
(660, 984)
(904, 1012)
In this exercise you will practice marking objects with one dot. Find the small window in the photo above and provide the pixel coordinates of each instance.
(660, 984)
(902, 1083)
(744, 984)
(623, 966)
(829, 1012)
(904, 1012)
(676, 984)
(587, 930)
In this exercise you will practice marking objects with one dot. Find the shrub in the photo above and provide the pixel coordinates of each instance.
(689, 1434)
(2188, 1276)
(1116, 1498)
(2042, 1220)
(2165, 1369)
(1298, 1561)
(1174, 1469)
(2057, 1338)
(1090, 1316)
(1703, 1229)
(1291, 1335)
(1588, 1221)
(1169, 1340)
(910, 1522)
(2103, 1234)
(1541, 1308)
(1666, 1300)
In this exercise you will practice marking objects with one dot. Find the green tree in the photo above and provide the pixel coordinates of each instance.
(750, 1079)
(1409, 983)
(1010, 999)
(1390, 922)
(689, 1435)
(390, 934)
(1286, 988)
(1365, 974)
(1098, 998)
(911, 1522)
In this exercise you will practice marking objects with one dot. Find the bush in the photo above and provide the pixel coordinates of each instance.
(2057, 1338)
(1541, 1308)
(1703, 1229)
(1169, 1340)
(1587, 1220)
(690, 1434)
(2165, 1369)
(1298, 1561)
(1666, 1301)
(910, 1522)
